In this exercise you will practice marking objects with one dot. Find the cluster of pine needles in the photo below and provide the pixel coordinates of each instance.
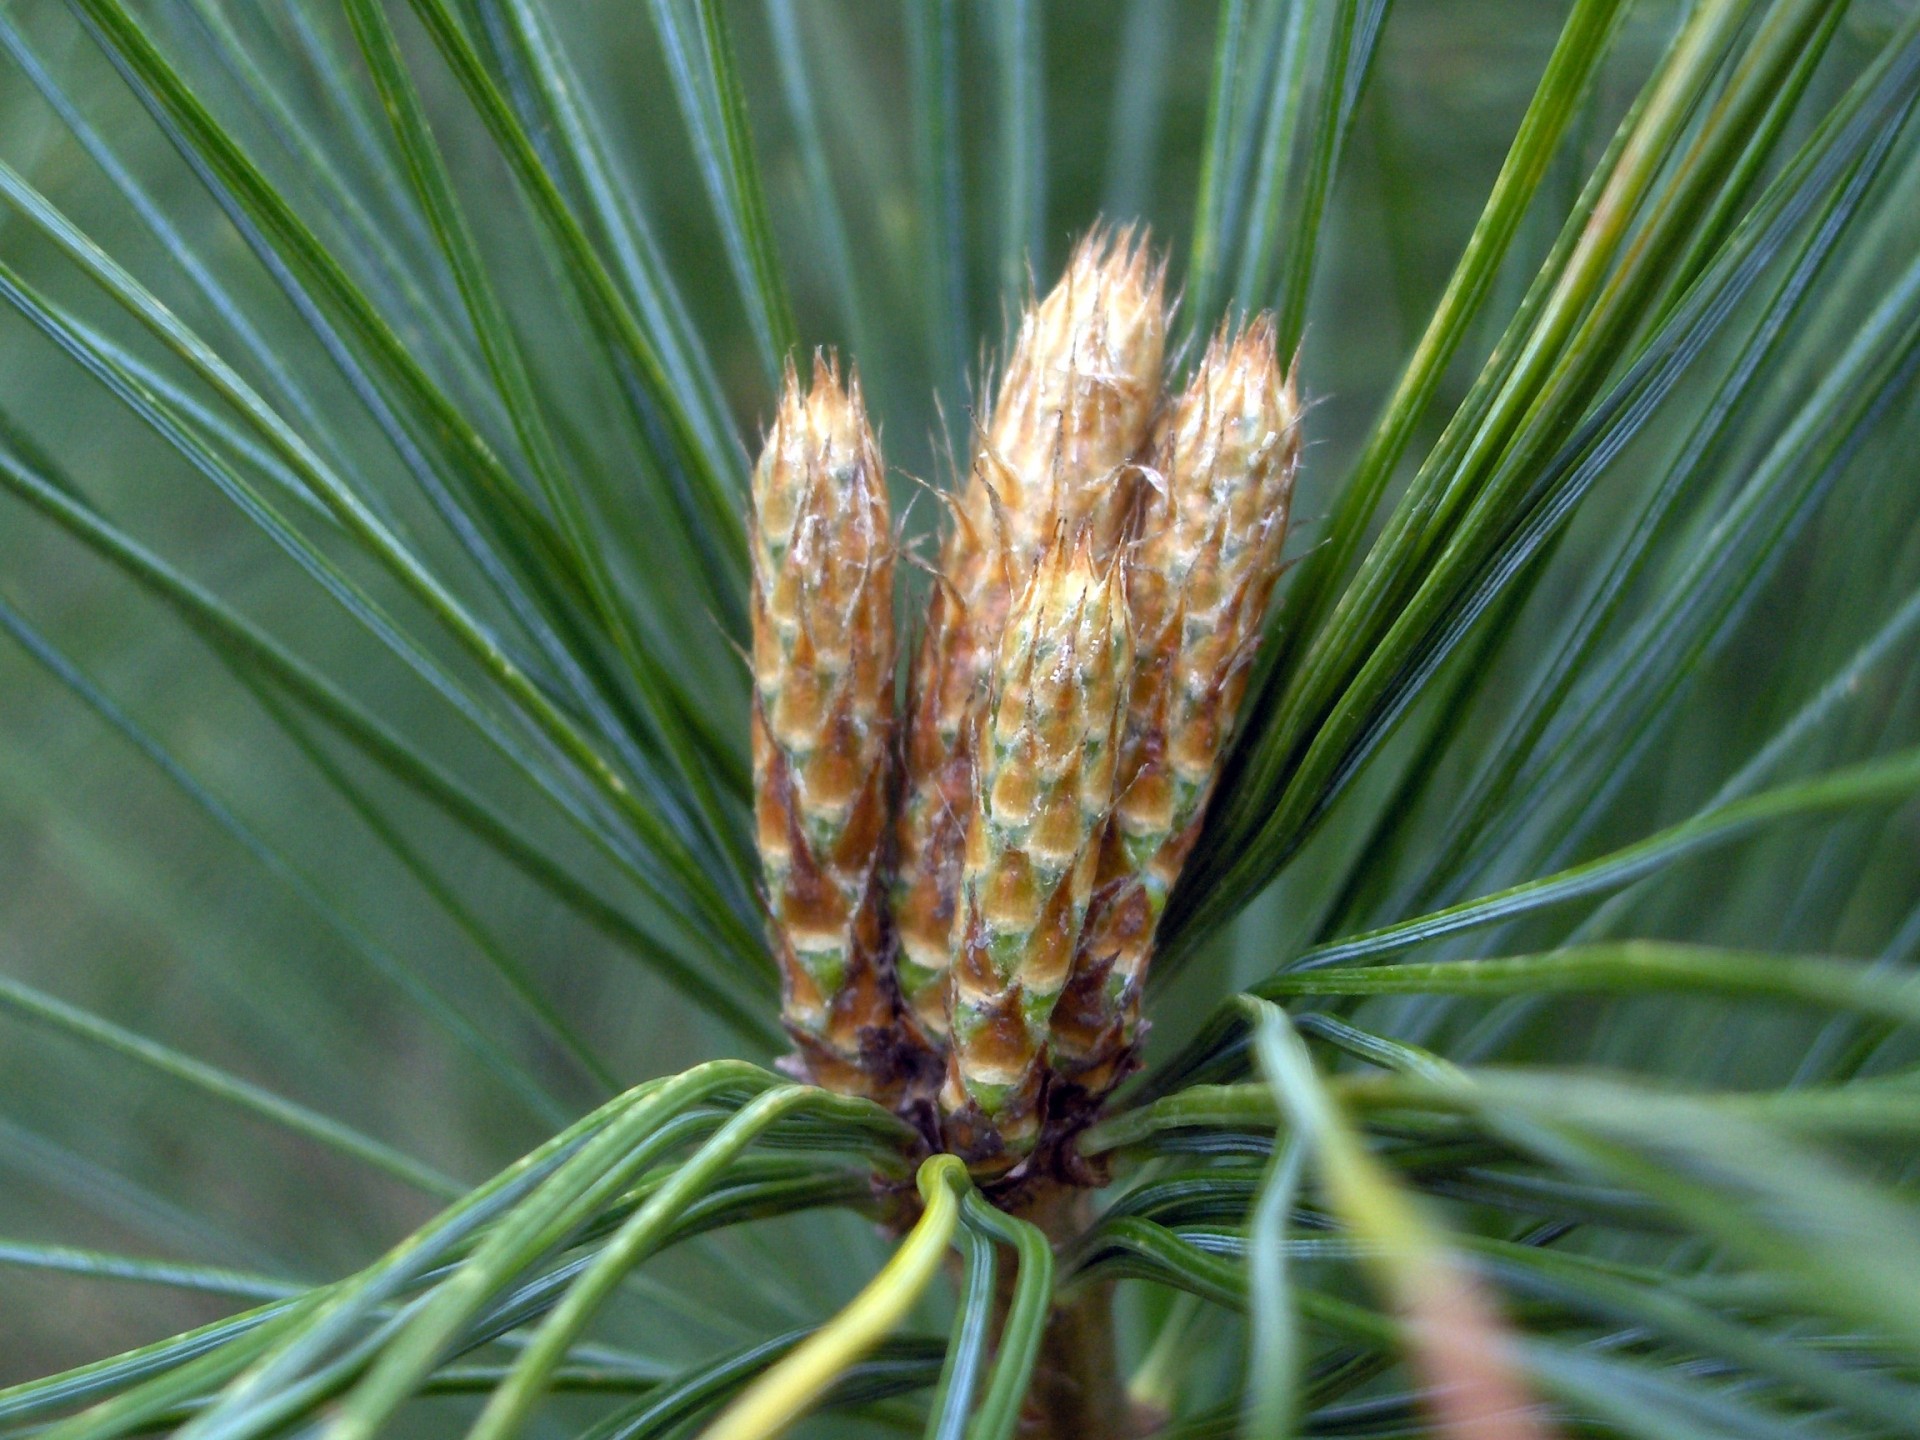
(1565, 1079)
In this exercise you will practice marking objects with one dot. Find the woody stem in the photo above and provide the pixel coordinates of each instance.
(1077, 1391)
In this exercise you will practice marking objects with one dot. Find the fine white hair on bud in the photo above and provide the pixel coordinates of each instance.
(1199, 581)
(1044, 787)
(823, 671)
(1072, 410)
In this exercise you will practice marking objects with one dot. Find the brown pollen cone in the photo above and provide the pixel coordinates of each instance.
(1199, 580)
(823, 668)
(1043, 791)
(1072, 409)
